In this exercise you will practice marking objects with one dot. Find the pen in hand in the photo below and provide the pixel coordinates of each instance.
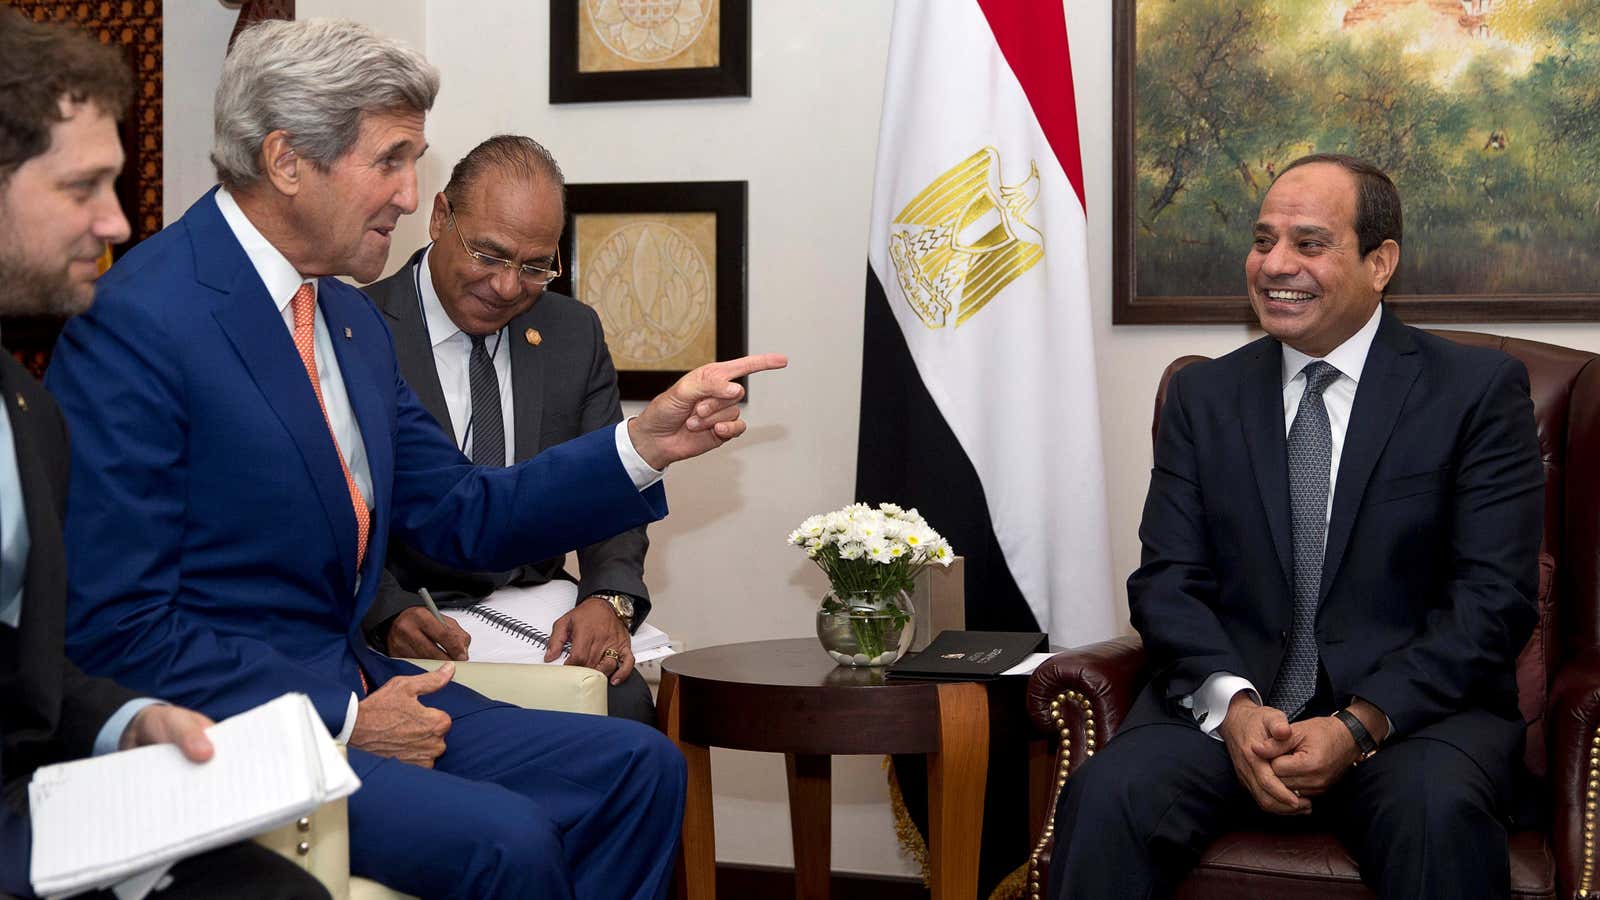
(427, 599)
(438, 640)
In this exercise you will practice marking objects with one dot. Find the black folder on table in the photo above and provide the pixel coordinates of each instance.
(970, 655)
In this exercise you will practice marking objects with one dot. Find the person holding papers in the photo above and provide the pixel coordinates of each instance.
(509, 369)
(62, 93)
(244, 445)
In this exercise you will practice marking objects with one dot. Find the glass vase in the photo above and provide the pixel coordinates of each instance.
(865, 628)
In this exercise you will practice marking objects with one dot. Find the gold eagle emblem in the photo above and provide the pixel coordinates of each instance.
(961, 240)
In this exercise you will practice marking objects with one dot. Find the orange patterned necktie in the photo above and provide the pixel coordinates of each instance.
(304, 305)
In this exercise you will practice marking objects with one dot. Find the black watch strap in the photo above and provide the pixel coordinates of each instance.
(1364, 741)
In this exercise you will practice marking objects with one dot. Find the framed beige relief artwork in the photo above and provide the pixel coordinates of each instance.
(663, 264)
(648, 49)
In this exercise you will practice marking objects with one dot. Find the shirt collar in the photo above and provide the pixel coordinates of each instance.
(275, 270)
(1349, 357)
(440, 326)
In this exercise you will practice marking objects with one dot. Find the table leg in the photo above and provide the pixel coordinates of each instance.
(955, 790)
(696, 876)
(810, 822)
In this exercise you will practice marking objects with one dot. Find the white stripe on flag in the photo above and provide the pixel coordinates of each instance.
(1015, 381)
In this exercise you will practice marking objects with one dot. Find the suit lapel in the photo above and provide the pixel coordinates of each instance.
(42, 629)
(527, 386)
(1261, 415)
(1386, 379)
(255, 328)
(397, 297)
(352, 328)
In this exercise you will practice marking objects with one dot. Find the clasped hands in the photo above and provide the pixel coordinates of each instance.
(1284, 765)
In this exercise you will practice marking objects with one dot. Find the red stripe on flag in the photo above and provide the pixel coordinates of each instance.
(1032, 35)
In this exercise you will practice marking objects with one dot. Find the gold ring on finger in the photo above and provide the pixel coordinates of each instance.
(611, 653)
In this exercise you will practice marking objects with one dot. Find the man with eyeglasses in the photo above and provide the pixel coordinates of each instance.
(508, 369)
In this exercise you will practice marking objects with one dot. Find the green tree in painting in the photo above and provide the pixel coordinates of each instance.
(1490, 125)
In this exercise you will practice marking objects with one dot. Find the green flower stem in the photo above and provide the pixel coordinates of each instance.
(868, 631)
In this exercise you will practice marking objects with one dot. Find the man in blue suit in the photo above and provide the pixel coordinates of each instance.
(244, 447)
(1340, 563)
(63, 92)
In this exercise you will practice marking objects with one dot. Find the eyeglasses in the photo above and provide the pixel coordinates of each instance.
(533, 276)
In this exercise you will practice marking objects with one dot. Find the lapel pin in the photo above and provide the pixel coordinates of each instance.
(22, 403)
(533, 336)
(347, 332)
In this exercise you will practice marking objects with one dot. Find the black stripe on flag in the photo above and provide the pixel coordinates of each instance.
(908, 455)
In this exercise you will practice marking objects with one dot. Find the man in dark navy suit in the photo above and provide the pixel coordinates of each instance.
(1339, 570)
(62, 93)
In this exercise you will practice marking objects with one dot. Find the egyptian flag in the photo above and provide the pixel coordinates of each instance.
(978, 396)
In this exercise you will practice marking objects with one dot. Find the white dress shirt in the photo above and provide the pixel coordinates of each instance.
(452, 353)
(1210, 702)
(282, 280)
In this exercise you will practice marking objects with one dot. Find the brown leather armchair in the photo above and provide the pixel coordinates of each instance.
(1079, 697)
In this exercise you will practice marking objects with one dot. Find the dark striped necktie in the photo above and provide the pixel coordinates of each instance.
(488, 426)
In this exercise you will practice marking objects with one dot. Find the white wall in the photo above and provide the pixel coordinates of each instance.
(194, 38)
(805, 142)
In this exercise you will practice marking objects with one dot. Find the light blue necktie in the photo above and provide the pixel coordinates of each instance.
(14, 538)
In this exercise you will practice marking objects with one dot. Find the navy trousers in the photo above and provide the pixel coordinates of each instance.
(523, 803)
(1420, 818)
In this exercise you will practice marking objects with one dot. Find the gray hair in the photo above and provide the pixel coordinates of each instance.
(313, 79)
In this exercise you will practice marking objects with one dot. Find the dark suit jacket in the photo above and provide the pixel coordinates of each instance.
(49, 710)
(564, 387)
(1430, 573)
(214, 557)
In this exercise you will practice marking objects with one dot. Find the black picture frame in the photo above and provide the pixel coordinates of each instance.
(729, 79)
(1128, 307)
(728, 201)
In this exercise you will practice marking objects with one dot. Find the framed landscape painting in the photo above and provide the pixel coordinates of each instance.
(1484, 113)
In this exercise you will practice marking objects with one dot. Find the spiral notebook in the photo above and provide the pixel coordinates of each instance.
(514, 624)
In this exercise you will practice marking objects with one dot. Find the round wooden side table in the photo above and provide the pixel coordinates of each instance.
(788, 696)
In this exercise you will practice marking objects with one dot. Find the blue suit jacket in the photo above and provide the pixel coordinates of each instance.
(213, 548)
(1431, 567)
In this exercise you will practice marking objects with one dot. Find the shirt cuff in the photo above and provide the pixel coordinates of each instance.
(343, 737)
(1210, 703)
(110, 735)
(643, 476)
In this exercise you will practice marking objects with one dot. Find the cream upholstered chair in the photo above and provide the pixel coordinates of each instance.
(320, 842)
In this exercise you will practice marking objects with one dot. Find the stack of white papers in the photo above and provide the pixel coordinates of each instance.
(96, 821)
